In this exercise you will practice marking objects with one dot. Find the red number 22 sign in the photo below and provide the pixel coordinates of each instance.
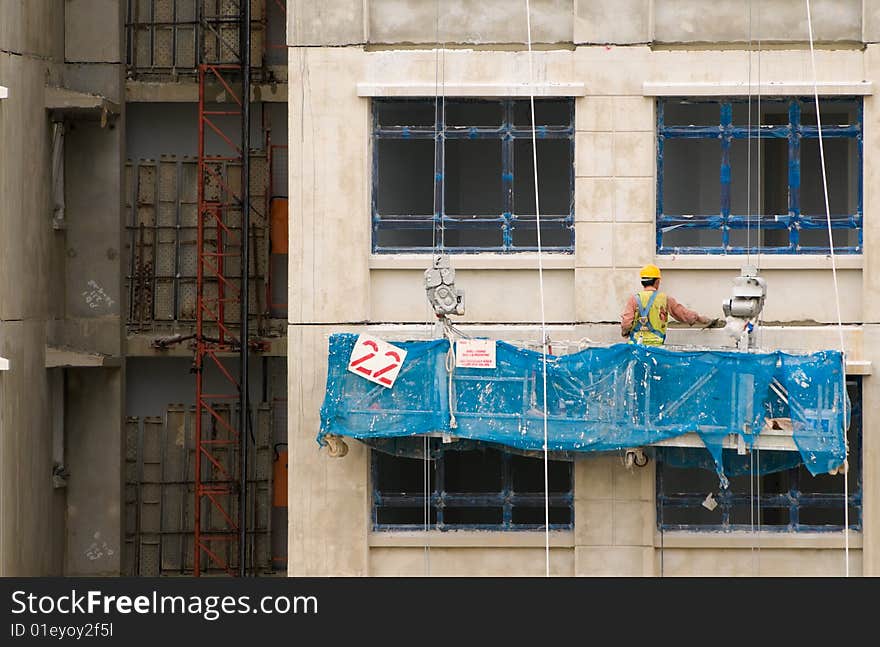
(376, 360)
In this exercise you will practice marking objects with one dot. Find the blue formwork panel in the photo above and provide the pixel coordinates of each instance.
(599, 399)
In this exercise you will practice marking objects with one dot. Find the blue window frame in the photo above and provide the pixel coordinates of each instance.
(457, 175)
(478, 488)
(726, 185)
(789, 500)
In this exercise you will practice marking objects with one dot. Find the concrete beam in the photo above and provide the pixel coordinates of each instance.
(70, 101)
(67, 357)
(472, 89)
(183, 92)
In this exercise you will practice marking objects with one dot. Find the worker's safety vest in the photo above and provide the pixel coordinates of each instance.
(649, 327)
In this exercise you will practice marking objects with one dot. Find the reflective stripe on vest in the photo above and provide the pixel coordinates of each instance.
(649, 327)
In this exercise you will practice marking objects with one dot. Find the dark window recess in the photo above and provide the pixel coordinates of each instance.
(554, 166)
(409, 166)
(405, 113)
(458, 174)
(790, 500)
(483, 488)
(473, 177)
(735, 178)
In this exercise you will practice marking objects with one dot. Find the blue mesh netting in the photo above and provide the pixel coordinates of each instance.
(599, 399)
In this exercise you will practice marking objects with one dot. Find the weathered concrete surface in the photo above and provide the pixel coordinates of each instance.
(342, 22)
(93, 233)
(689, 21)
(338, 22)
(33, 28)
(93, 419)
(25, 230)
(31, 511)
(481, 22)
(469, 21)
(620, 22)
(40, 300)
(86, 37)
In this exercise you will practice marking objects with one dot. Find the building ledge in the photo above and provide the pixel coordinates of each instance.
(57, 357)
(188, 92)
(365, 89)
(768, 439)
(762, 261)
(143, 344)
(69, 101)
(771, 88)
(469, 539)
(486, 261)
(748, 540)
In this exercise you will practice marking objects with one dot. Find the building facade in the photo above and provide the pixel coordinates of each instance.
(647, 153)
(384, 132)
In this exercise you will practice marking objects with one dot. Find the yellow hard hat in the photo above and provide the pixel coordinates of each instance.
(650, 272)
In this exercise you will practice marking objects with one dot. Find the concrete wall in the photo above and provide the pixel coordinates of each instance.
(347, 22)
(93, 252)
(94, 453)
(337, 285)
(31, 511)
(59, 287)
(565, 22)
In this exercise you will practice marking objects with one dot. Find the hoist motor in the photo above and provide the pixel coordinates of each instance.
(744, 306)
(749, 291)
(440, 287)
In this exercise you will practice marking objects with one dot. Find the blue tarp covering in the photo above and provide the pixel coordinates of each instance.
(599, 399)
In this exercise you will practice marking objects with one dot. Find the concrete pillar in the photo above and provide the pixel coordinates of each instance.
(31, 510)
(328, 498)
(329, 237)
(614, 517)
(871, 318)
(93, 420)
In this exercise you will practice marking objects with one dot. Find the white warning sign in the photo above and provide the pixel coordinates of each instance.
(475, 353)
(376, 360)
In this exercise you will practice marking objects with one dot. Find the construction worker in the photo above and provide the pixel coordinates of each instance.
(645, 315)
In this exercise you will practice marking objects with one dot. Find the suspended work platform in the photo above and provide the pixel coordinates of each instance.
(600, 399)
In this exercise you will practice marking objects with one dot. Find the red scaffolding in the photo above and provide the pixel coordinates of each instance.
(222, 541)
(218, 479)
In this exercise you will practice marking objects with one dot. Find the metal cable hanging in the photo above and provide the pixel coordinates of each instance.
(541, 289)
(836, 290)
